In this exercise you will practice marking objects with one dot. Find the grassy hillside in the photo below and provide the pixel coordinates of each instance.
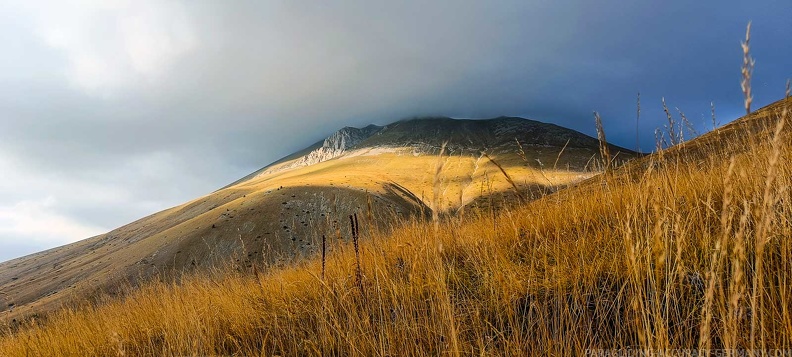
(687, 248)
(277, 215)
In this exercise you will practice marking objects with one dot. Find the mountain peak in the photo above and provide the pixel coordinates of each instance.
(338, 143)
(425, 135)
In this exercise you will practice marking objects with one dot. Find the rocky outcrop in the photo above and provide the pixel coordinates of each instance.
(335, 145)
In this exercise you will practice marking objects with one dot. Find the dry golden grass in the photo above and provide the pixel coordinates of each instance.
(687, 249)
(252, 216)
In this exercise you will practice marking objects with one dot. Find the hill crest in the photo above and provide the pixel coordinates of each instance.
(425, 135)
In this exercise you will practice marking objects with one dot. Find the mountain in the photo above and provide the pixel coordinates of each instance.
(278, 214)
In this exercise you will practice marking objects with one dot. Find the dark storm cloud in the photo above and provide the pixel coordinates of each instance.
(112, 110)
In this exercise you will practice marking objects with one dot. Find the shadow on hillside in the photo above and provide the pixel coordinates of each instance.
(407, 198)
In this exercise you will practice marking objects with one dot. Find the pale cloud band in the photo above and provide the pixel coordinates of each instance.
(111, 44)
(35, 221)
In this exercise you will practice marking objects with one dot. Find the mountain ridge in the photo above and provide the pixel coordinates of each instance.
(405, 133)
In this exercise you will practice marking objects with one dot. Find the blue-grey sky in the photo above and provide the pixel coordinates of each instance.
(112, 110)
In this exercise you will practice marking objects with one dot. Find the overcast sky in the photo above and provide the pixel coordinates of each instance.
(113, 110)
